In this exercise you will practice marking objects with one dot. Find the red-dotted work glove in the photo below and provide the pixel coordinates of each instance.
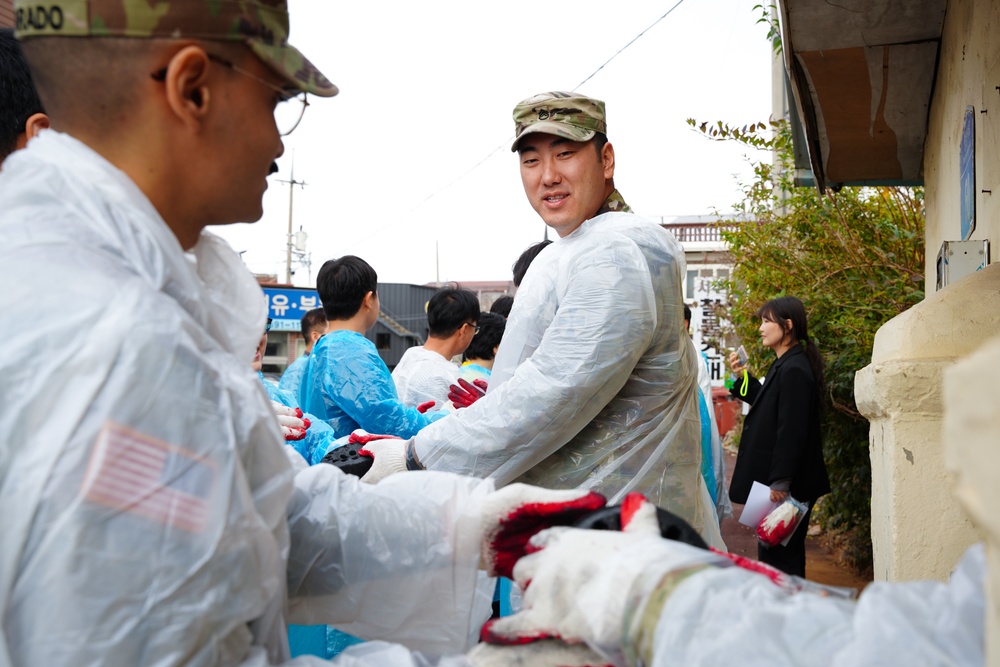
(388, 452)
(424, 407)
(466, 393)
(546, 653)
(293, 424)
(593, 586)
(515, 513)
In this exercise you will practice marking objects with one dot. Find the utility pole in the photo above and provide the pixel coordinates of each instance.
(291, 191)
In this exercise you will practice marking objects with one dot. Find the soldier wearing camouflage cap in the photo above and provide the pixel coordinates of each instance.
(152, 513)
(594, 384)
(260, 24)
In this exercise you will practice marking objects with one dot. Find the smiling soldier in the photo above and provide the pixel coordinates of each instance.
(594, 383)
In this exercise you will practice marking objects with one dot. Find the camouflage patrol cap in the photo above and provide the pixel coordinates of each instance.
(568, 115)
(261, 24)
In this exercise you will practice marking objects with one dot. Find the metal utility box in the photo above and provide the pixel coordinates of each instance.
(960, 258)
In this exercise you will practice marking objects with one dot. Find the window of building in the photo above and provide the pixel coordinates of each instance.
(382, 341)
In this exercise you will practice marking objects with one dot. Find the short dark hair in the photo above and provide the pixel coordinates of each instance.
(311, 321)
(449, 309)
(599, 140)
(687, 313)
(503, 305)
(18, 97)
(343, 283)
(491, 327)
(527, 257)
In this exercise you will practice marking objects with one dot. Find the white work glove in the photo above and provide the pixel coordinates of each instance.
(596, 586)
(515, 513)
(388, 452)
(293, 424)
(545, 653)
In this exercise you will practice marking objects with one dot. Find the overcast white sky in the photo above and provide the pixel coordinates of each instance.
(427, 89)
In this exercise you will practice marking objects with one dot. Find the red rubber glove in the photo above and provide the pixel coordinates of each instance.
(424, 407)
(359, 437)
(466, 393)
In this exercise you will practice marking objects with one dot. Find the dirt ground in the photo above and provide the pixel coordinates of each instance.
(822, 565)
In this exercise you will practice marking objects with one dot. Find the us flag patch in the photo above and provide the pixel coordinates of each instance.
(135, 473)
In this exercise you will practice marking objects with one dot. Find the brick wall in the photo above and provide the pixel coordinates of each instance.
(6, 13)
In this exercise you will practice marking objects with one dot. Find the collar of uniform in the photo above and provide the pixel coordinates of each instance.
(614, 203)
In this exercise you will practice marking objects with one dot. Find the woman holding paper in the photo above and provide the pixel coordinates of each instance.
(780, 446)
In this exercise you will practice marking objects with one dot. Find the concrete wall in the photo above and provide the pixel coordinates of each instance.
(972, 457)
(919, 529)
(968, 73)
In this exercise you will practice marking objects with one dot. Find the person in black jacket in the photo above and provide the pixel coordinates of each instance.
(780, 445)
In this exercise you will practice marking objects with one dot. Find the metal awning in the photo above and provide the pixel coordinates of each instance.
(862, 74)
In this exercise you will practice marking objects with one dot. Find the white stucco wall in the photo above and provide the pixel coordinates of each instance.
(972, 458)
(919, 529)
(968, 74)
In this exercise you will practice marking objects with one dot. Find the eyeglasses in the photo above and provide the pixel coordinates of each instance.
(475, 328)
(290, 109)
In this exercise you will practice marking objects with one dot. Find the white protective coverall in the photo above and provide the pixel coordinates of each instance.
(594, 383)
(151, 514)
(423, 375)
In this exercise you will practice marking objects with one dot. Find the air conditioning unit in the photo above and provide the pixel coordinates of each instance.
(960, 258)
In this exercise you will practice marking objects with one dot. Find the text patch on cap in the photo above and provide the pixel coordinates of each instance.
(68, 17)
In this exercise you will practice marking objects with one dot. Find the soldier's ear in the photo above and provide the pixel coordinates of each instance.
(608, 160)
(186, 83)
(35, 124)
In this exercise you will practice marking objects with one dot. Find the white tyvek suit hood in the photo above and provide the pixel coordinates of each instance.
(123, 353)
(594, 382)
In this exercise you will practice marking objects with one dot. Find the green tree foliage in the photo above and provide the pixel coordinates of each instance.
(856, 259)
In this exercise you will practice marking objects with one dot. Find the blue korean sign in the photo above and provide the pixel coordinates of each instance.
(287, 305)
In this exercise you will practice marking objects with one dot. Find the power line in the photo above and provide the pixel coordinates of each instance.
(629, 44)
(510, 138)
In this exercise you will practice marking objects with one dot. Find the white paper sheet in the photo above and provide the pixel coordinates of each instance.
(758, 505)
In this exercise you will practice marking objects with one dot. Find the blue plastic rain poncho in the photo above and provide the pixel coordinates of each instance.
(347, 384)
(707, 466)
(319, 436)
(151, 513)
(291, 379)
(711, 442)
(471, 372)
(310, 639)
(594, 384)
